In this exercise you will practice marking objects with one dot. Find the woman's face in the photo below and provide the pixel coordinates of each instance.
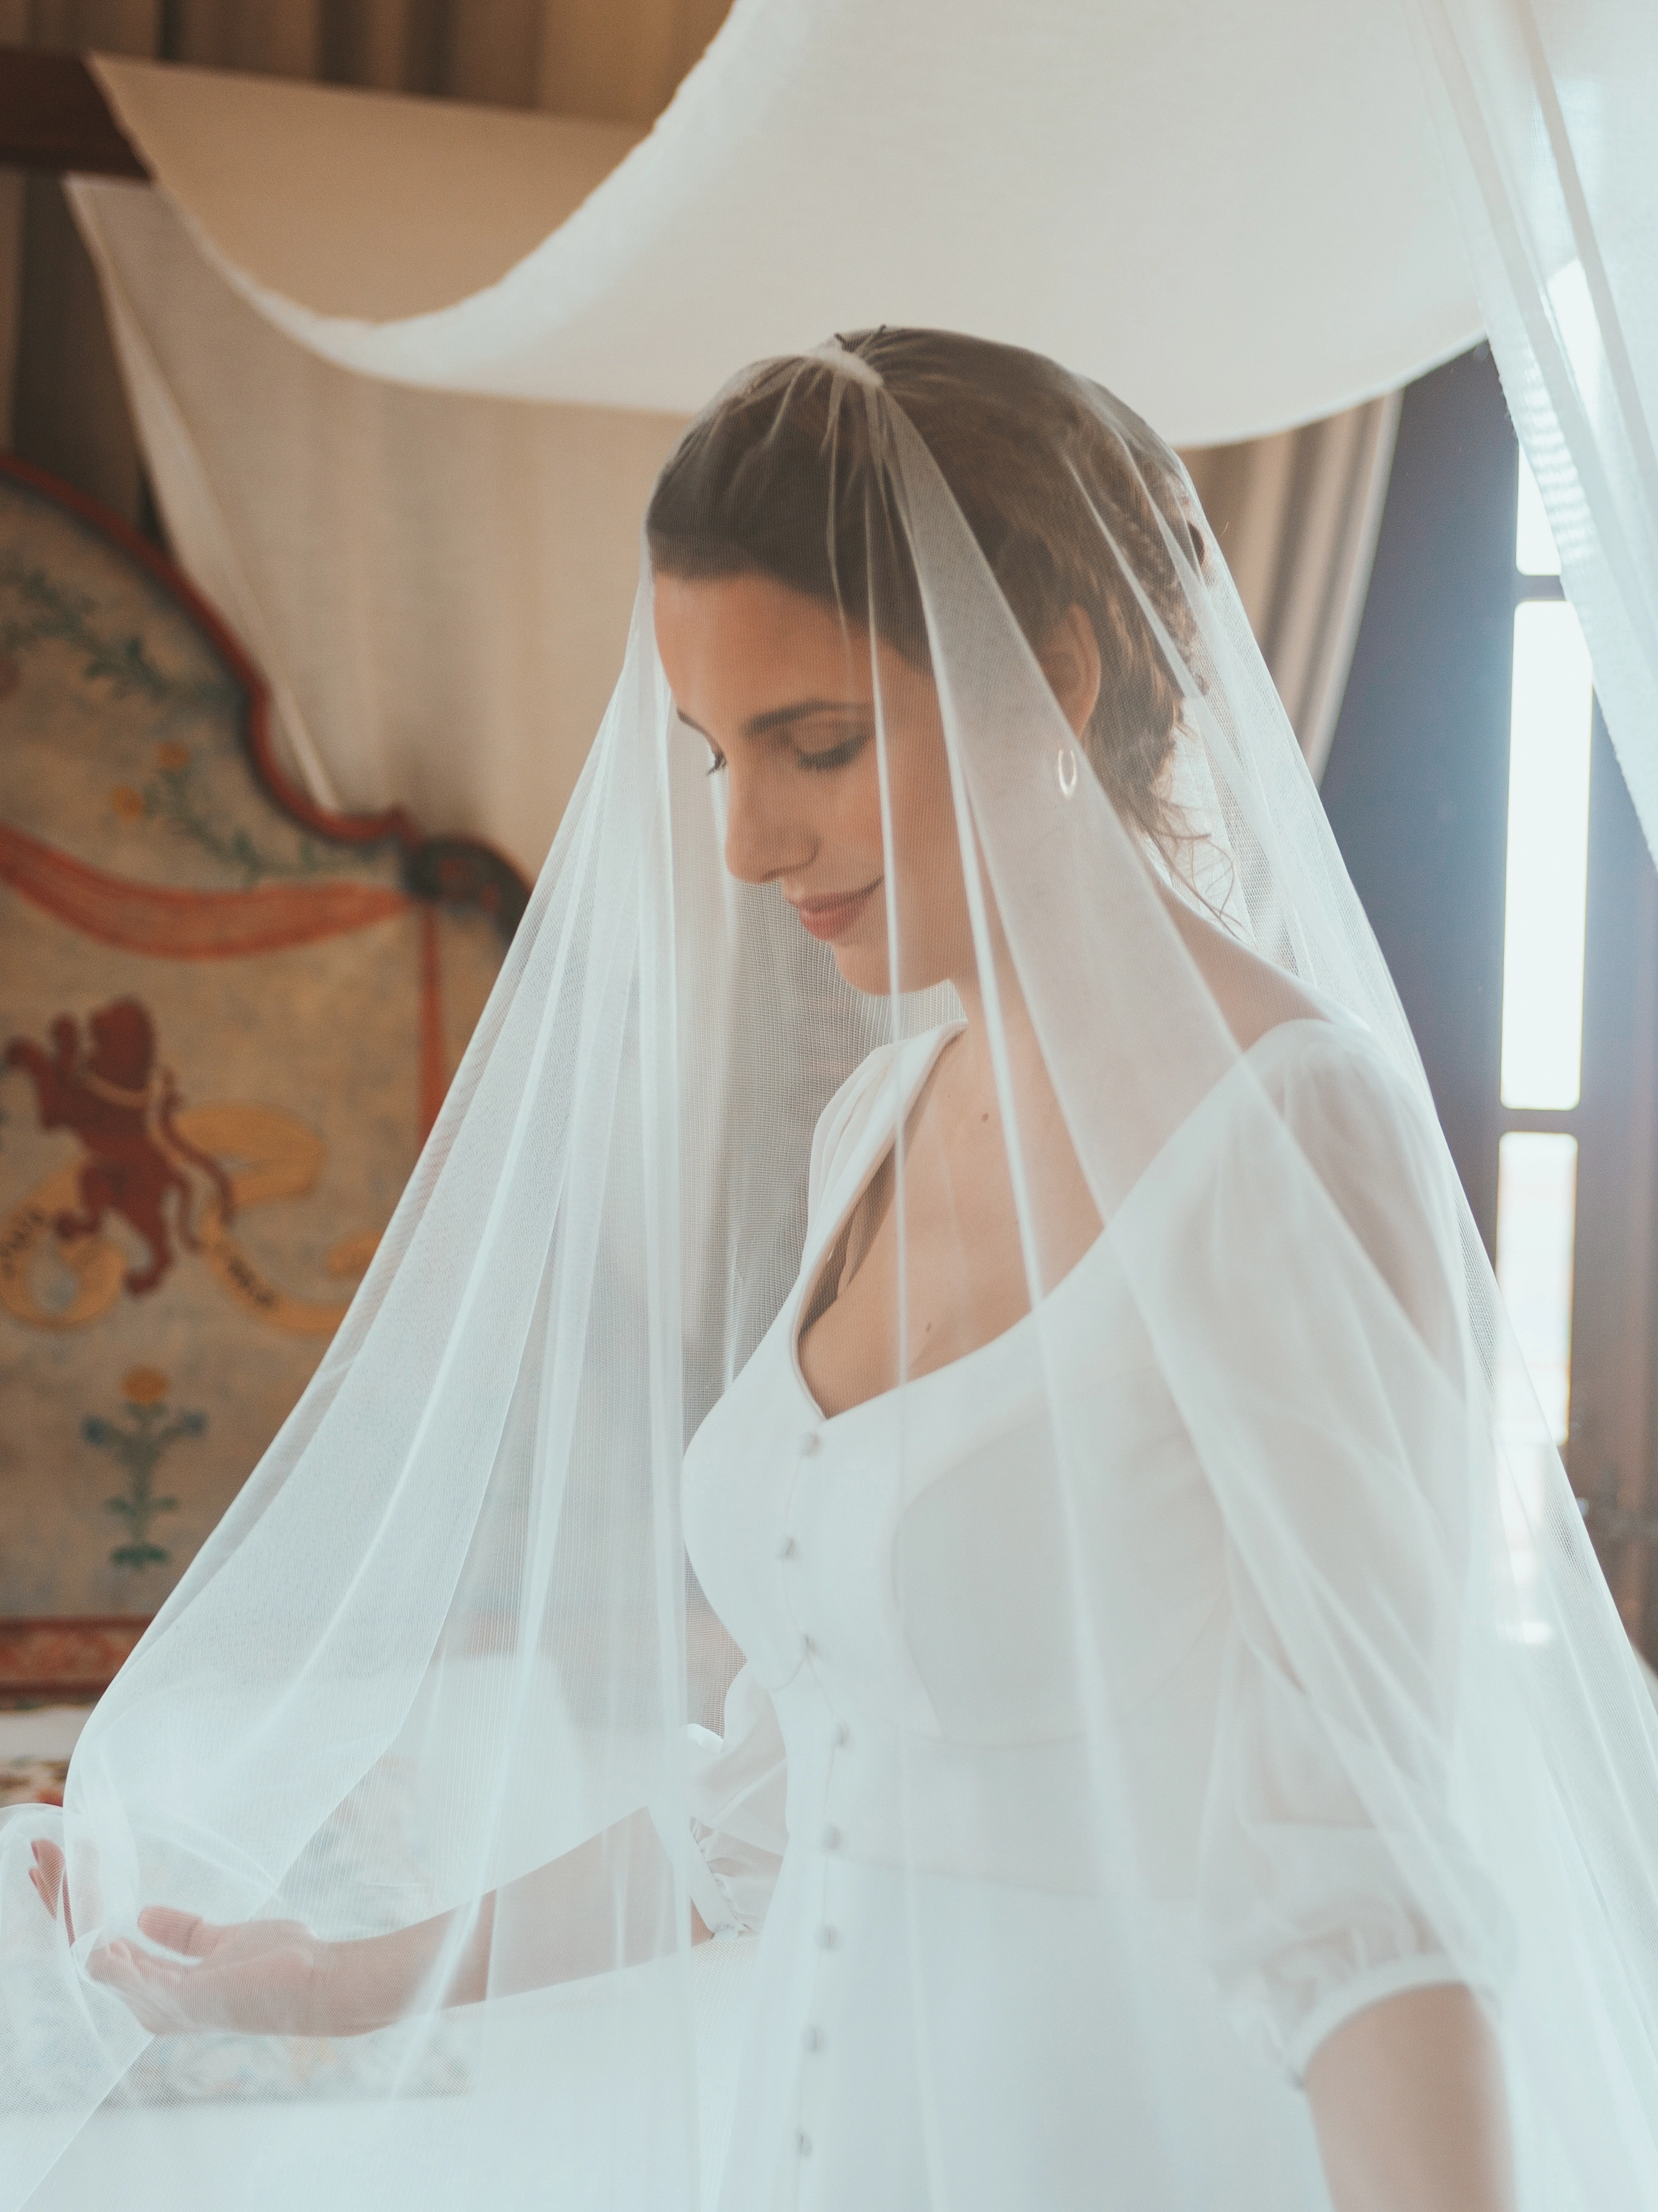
(785, 697)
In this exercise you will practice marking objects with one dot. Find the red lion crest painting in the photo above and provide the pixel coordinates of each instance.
(107, 1096)
(227, 1020)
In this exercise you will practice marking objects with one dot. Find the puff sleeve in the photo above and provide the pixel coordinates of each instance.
(1295, 1268)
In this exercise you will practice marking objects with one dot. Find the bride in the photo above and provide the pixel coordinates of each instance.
(939, 1260)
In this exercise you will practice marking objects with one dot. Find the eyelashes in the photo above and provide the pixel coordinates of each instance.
(824, 763)
(834, 756)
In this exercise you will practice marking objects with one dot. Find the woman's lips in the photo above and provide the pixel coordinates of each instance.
(834, 915)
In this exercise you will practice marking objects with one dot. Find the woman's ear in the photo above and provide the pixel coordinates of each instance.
(1070, 659)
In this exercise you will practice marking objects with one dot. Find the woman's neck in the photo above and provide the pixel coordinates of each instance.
(974, 1052)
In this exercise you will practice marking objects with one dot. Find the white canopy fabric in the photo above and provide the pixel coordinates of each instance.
(1548, 115)
(1235, 218)
(1239, 219)
(436, 587)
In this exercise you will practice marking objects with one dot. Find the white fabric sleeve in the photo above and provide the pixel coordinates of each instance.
(728, 1852)
(1306, 1918)
(1333, 1872)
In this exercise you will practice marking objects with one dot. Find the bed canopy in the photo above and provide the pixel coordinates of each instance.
(1238, 219)
(1140, 190)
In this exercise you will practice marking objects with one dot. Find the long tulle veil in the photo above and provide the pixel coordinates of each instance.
(449, 1634)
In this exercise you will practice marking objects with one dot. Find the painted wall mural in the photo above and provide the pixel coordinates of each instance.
(227, 1020)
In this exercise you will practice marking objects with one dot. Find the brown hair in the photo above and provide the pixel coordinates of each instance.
(780, 478)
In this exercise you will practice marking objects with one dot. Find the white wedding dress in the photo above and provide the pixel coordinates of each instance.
(1217, 1650)
(903, 1781)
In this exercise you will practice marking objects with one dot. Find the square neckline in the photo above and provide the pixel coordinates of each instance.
(812, 1266)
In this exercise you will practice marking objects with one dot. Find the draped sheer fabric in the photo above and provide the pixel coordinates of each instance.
(1544, 110)
(1061, 1740)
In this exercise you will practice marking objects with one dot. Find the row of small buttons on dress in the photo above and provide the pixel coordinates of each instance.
(785, 1547)
(829, 1839)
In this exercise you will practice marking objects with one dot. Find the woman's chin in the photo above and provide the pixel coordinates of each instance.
(866, 968)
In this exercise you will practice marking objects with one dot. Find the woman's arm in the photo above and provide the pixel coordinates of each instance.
(1334, 1429)
(1411, 2107)
(598, 1906)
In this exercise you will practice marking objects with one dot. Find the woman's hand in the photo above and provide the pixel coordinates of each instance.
(263, 1978)
(276, 1977)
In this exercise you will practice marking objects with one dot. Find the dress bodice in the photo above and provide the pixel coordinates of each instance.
(890, 1573)
(916, 1730)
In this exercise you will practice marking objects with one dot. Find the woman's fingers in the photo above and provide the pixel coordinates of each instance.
(258, 1991)
(50, 1886)
(260, 1978)
(147, 1987)
(180, 1931)
(264, 1988)
(119, 1964)
(167, 2000)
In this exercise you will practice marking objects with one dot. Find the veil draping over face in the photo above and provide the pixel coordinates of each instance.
(1063, 1736)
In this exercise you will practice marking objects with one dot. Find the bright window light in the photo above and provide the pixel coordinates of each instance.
(1534, 551)
(1577, 328)
(1548, 859)
(1536, 1228)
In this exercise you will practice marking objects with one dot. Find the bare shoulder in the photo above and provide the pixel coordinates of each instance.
(1253, 994)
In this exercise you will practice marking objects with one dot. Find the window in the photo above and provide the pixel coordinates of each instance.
(1482, 813)
(1551, 721)
(1548, 850)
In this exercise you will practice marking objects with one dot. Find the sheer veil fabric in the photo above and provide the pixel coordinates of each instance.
(1062, 1739)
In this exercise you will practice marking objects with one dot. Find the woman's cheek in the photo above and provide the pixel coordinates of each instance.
(859, 814)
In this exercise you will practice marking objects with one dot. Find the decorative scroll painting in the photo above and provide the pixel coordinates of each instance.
(227, 1020)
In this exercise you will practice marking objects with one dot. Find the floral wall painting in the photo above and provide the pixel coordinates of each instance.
(227, 1020)
(138, 1446)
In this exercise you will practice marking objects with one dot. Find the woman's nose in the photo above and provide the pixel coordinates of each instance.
(760, 844)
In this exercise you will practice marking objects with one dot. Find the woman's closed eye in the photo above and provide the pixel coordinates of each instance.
(824, 760)
(797, 744)
(830, 757)
(842, 754)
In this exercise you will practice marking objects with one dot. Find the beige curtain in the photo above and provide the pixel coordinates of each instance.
(1297, 516)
